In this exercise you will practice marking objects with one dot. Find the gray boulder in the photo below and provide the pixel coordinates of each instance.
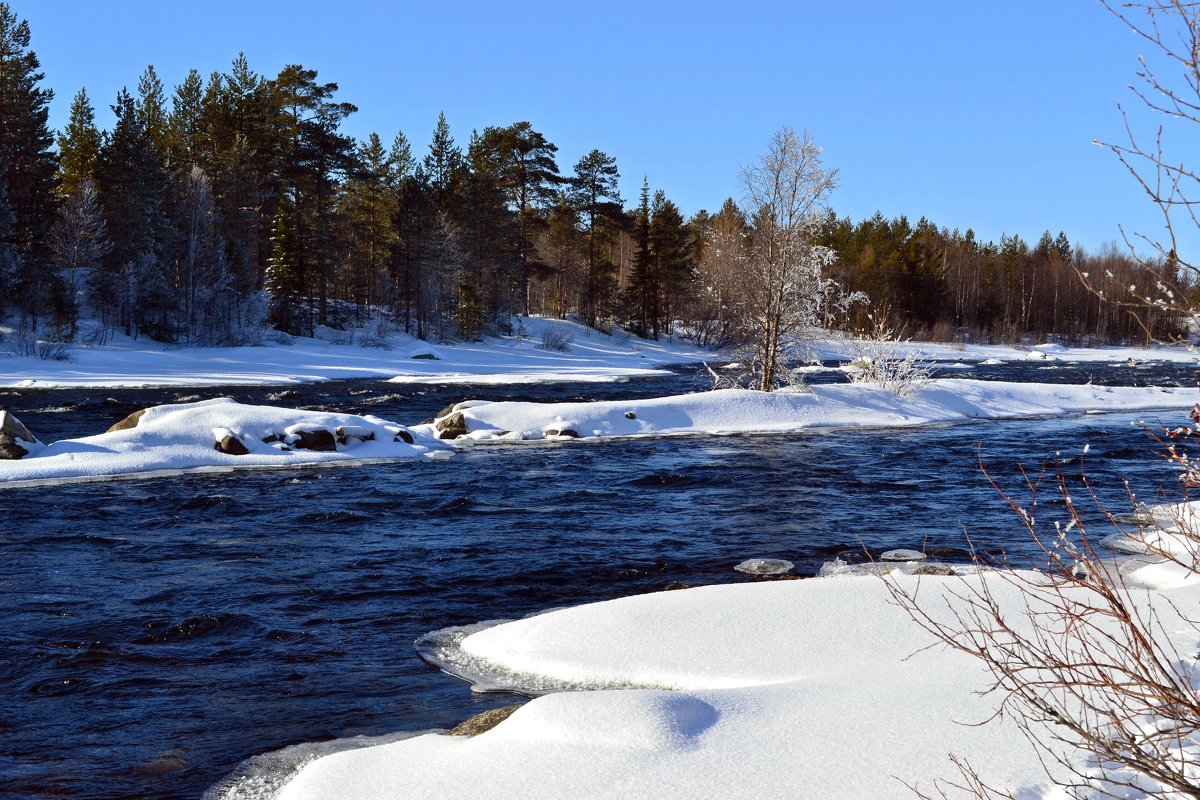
(12, 433)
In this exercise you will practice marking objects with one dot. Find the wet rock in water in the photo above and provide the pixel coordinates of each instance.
(230, 445)
(568, 432)
(934, 569)
(953, 553)
(671, 587)
(403, 436)
(482, 722)
(765, 566)
(12, 435)
(129, 422)
(320, 440)
(451, 426)
(162, 764)
(902, 555)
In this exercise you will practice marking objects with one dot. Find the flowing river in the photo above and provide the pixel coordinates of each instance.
(157, 632)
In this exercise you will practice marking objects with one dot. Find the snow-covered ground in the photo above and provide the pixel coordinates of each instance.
(589, 356)
(834, 349)
(818, 688)
(822, 407)
(183, 436)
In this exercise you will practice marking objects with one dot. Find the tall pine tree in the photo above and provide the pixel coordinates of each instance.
(27, 163)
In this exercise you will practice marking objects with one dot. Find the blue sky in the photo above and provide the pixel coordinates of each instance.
(976, 115)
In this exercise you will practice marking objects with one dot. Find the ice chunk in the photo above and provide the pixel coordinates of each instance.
(902, 555)
(765, 566)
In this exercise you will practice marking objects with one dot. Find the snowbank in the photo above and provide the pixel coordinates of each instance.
(183, 437)
(589, 356)
(824, 407)
(813, 688)
(834, 349)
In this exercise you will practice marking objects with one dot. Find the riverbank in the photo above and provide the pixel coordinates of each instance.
(545, 351)
(814, 688)
(548, 351)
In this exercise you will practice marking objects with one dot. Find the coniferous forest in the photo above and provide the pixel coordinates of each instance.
(233, 202)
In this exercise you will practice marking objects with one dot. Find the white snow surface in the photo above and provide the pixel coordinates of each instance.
(835, 348)
(173, 438)
(833, 406)
(818, 688)
(590, 356)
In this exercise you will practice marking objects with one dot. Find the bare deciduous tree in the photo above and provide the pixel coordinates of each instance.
(1172, 29)
(785, 193)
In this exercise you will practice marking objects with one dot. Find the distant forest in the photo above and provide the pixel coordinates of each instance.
(236, 200)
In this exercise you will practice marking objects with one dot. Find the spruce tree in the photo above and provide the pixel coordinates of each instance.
(28, 165)
(78, 146)
(641, 282)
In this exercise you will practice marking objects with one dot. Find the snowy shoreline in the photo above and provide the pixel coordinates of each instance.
(588, 356)
(812, 688)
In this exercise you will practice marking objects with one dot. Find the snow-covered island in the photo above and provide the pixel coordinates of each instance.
(223, 434)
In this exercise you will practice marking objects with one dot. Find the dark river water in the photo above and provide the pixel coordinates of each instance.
(155, 633)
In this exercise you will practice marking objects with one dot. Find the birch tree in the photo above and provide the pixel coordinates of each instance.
(784, 196)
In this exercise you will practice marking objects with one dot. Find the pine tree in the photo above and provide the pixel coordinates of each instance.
(78, 146)
(132, 186)
(28, 165)
(529, 176)
(673, 268)
(443, 160)
(595, 194)
(316, 155)
(185, 146)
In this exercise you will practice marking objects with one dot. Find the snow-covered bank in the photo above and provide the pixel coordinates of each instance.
(589, 356)
(814, 688)
(173, 438)
(843, 349)
(824, 407)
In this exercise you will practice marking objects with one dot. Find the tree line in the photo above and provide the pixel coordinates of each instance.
(237, 200)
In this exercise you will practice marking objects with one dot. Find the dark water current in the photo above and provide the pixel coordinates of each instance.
(154, 633)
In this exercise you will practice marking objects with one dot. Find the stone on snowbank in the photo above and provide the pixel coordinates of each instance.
(12, 435)
(129, 422)
(482, 722)
(451, 426)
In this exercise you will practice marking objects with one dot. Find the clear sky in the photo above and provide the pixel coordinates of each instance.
(974, 114)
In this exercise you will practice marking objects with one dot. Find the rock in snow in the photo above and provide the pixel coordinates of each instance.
(13, 437)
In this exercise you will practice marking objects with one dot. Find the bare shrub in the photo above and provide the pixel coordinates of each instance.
(25, 342)
(554, 340)
(882, 359)
(1084, 662)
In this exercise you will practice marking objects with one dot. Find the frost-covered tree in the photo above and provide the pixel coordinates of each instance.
(785, 193)
(77, 243)
(208, 303)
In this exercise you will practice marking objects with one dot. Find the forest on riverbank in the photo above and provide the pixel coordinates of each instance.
(234, 201)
